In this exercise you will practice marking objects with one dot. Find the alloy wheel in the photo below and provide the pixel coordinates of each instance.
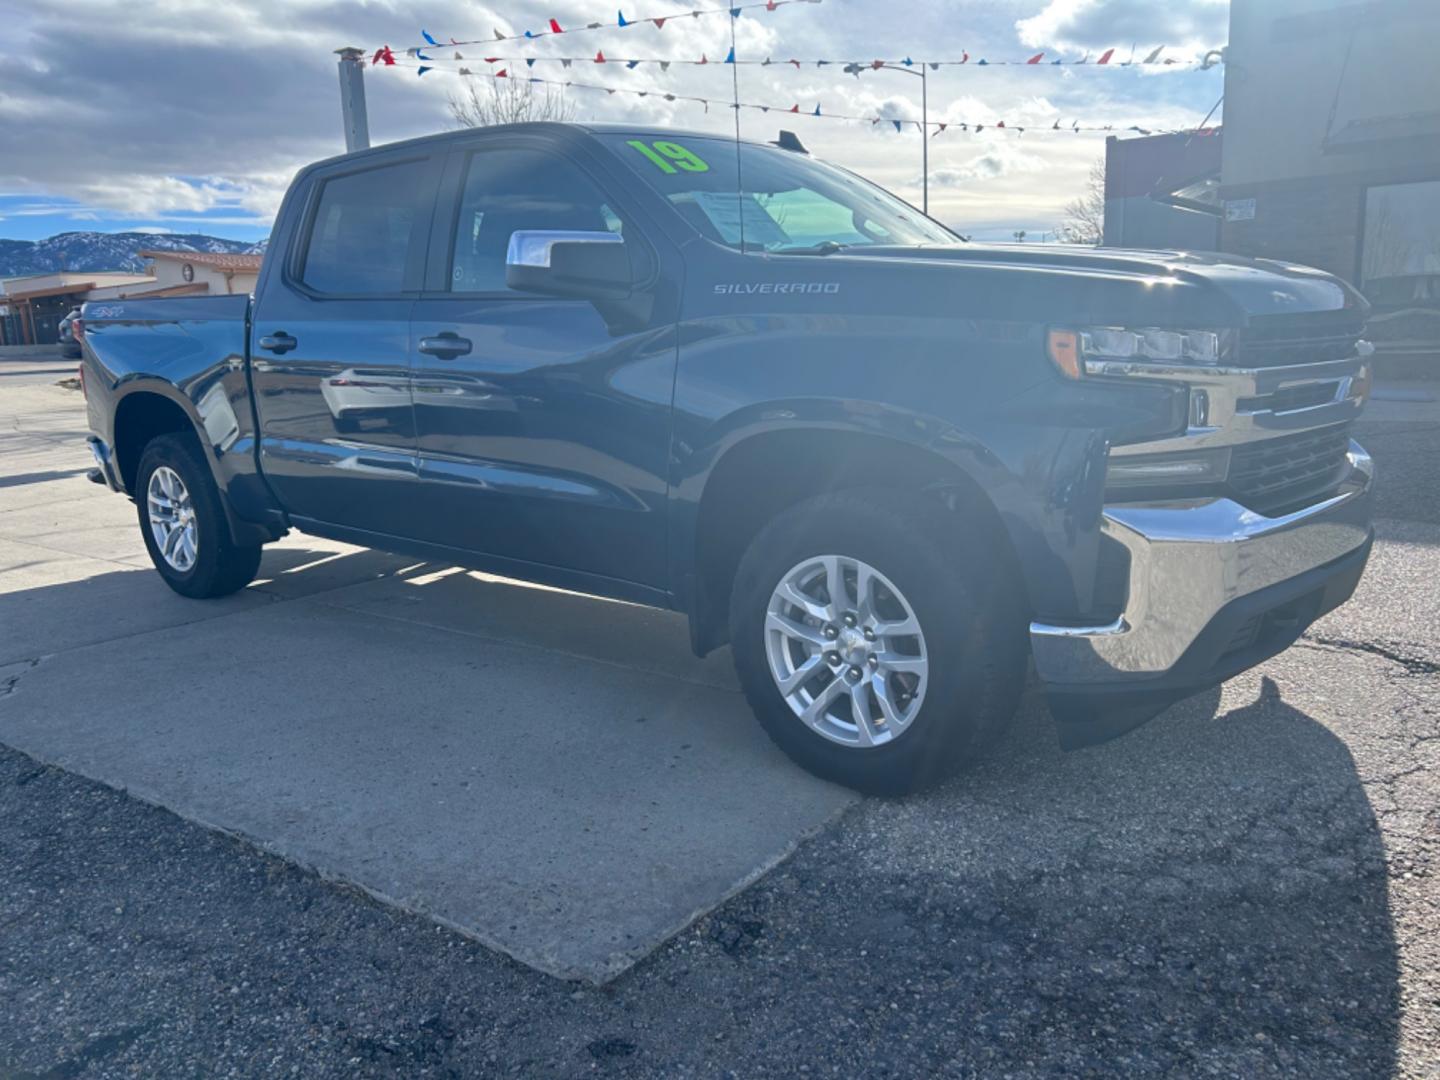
(172, 518)
(846, 651)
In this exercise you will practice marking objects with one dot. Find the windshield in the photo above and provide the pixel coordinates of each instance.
(790, 203)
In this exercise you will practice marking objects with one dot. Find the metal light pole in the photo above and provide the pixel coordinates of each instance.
(924, 129)
(352, 100)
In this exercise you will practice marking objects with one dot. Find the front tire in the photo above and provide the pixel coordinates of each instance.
(879, 638)
(184, 524)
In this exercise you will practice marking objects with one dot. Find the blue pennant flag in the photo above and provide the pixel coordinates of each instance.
(632, 64)
(896, 123)
(622, 18)
(420, 55)
(730, 56)
(817, 110)
(422, 71)
(983, 63)
(426, 35)
(530, 61)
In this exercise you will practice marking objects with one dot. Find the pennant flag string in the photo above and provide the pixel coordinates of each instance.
(620, 23)
(848, 67)
(1057, 127)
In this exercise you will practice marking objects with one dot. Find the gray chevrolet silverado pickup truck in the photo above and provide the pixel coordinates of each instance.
(889, 468)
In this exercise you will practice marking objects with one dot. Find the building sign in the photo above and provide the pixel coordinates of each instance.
(1239, 209)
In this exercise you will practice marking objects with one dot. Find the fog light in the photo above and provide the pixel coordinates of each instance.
(1175, 469)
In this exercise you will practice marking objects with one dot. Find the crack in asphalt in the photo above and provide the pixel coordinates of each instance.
(9, 682)
(1413, 665)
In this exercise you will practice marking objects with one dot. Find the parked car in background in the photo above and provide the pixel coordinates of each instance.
(69, 340)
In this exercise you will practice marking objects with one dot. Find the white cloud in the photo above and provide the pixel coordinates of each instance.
(1001, 159)
(1090, 25)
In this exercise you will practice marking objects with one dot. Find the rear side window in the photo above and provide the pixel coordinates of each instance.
(507, 190)
(362, 231)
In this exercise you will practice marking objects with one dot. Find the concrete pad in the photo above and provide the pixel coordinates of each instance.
(570, 812)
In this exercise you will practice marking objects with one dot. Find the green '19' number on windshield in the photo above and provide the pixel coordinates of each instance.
(670, 157)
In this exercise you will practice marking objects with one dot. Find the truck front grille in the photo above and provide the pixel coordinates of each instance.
(1280, 341)
(1291, 471)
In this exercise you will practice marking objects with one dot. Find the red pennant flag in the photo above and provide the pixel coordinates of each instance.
(942, 128)
(376, 58)
(1106, 58)
(1000, 124)
(600, 57)
(796, 63)
(555, 27)
(703, 59)
(794, 108)
(1036, 58)
(770, 5)
(503, 73)
(877, 64)
(964, 58)
(659, 23)
(493, 59)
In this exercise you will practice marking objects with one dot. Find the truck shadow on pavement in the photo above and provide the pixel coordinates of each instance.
(1208, 893)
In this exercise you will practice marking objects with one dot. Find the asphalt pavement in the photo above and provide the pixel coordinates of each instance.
(1244, 887)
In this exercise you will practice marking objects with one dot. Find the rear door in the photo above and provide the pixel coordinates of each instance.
(544, 438)
(331, 344)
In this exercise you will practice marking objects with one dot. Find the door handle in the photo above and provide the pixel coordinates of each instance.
(447, 345)
(278, 343)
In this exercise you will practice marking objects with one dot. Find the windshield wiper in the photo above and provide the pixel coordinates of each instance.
(824, 247)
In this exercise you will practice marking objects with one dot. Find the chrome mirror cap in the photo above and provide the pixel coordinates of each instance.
(532, 247)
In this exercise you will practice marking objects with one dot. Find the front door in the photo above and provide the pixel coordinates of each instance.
(543, 425)
(330, 358)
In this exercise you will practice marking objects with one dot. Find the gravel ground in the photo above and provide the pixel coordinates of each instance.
(1245, 887)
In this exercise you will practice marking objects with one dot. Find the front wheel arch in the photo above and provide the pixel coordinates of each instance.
(766, 473)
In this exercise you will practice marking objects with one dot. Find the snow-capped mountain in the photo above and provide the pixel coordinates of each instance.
(107, 251)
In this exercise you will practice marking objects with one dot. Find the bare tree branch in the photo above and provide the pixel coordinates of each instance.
(507, 101)
(1085, 217)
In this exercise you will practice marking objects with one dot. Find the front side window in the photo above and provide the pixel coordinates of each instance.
(788, 202)
(362, 231)
(507, 190)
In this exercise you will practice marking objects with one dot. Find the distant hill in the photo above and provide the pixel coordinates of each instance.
(107, 251)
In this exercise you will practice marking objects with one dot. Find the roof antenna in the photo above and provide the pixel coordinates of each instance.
(735, 84)
(790, 141)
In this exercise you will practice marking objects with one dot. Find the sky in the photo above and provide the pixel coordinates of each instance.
(192, 115)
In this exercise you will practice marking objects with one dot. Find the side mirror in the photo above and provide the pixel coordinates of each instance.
(572, 264)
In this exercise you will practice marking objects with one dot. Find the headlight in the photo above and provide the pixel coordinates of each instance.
(1070, 349)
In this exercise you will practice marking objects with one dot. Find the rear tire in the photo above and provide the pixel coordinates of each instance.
(947, 689)
(184, 524)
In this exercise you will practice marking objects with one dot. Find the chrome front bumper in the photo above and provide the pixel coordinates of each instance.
(1189, 561)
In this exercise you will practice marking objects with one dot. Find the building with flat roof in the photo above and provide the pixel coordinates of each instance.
(32, 307)
(1332, 152)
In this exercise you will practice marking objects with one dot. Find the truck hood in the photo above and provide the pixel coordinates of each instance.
(1256, 287)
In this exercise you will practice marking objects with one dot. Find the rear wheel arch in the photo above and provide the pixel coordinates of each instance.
(146, 413)
(140, 417)
(764, 474)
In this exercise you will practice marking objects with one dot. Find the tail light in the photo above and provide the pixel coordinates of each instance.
(77, 328)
